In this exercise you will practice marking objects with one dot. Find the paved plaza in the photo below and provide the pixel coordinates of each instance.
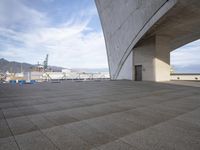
(99, 115)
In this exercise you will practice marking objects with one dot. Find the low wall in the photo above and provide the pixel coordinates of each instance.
(194, 77)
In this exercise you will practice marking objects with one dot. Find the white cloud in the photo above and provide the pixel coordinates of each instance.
(187, 55)
(71, 44)
(14, 14)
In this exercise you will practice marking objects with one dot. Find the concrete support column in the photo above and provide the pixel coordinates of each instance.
(162, 59)
(153, 54)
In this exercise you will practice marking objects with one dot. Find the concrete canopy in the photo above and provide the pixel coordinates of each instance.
(129, 25)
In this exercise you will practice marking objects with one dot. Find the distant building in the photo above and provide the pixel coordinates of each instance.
(66, 70)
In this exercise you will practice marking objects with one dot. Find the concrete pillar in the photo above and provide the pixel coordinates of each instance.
(162, 59)
(154, 56)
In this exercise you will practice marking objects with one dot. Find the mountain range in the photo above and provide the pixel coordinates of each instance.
(13, 66)
(187, 69)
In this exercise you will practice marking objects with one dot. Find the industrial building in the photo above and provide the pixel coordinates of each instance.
(43, 72)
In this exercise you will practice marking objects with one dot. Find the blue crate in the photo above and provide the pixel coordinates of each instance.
(12, 81)
(22, 82)
(32, 81)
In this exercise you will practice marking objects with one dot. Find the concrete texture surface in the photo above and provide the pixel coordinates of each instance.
(128, 25)
(124, 23)
(106, 115)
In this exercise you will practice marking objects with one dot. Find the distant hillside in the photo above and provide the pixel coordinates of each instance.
(13, 66)
(91, 69)
(187, 69)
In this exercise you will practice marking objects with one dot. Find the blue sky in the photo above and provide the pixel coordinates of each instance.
(68, 30)
(186, 59)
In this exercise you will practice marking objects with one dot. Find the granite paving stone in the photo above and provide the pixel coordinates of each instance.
(58, 117)
(103, 115)
(40, 121)
(64, 138)
(34, 141)
(12, 112)
(4, 129)
(91, 135)
(20, 125)
(116, 145)
(107, 126)
(8, 143)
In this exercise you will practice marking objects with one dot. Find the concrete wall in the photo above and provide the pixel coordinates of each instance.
(189, 77)
(126, 71)
(129, 24)
(124, 22)
(144, 54)
(154, 56)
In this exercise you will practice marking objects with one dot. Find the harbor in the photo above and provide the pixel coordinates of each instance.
(44, 73)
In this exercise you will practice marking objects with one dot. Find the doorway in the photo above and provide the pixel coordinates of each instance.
(138, 73)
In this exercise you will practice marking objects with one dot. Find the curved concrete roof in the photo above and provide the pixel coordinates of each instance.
(125, 23)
